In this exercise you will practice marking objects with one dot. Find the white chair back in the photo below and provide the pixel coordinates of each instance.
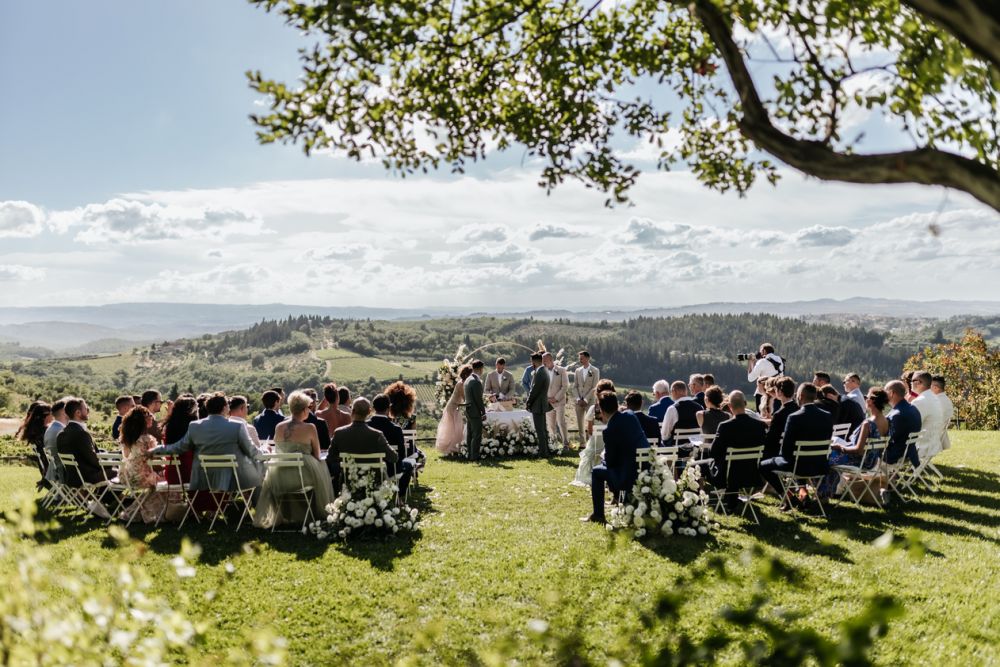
(363, 463)
(841, 431)
(806, 449)
(683, 436)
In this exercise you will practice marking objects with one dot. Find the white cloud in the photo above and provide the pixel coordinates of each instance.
(16, 273)
(553, 232)
(20, 219)
(818, 235)
(344, 252)
(129, 221)
(476, 233)
(498, 254)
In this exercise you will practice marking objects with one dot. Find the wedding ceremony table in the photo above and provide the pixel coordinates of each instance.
(508, 418)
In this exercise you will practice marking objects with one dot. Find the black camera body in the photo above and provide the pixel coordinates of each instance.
(747, 356)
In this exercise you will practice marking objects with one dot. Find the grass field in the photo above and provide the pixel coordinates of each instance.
(347, 366)
(109, 364)
(501, 545)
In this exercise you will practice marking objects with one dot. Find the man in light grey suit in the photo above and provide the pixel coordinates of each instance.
(475, 410)
(584, 387)
(538, 403)
(500, 383)
(558, 387)
(215, 434)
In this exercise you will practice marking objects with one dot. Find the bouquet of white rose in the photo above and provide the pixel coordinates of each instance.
(661, 504)
(368, 508)
(447, 377)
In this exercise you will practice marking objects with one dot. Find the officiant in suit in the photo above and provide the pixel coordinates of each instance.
(215, 434)
(584, 387)
(538, 403)
(475, 410)
(500, 382)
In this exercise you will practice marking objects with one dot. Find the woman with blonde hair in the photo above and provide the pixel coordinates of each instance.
(295, 436)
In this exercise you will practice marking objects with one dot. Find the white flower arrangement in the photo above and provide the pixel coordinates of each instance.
(447, 376)
(660, 504)
(502, 441)
(365, 507)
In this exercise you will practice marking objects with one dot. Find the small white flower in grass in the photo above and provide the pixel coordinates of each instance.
(229, 567)
(182, 568)
(342, 533)
(538, 626)
(323, 534)
(679, 506)
(666, 529)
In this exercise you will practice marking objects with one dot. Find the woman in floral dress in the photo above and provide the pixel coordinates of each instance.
(135, 470)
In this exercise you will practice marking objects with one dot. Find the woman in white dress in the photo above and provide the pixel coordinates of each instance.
(591, 454)
(295, 435)
(450, 433)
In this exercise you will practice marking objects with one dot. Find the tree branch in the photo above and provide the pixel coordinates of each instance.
(926, 166)
(975, 23)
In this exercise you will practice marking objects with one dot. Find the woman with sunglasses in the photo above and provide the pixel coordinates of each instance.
(854, 454)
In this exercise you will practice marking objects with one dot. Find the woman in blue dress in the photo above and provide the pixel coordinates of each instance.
(854, 453)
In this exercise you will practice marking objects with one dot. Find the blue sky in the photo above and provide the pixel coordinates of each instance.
(129, 171)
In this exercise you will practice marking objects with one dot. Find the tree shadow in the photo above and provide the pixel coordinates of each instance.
(679, 549)
(786, 532)
(562, 463)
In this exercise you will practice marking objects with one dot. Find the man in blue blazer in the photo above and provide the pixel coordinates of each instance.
(270, 416)
(904, 420)
(810, 422)
(623, 435)
(661, 400)
(651, 427)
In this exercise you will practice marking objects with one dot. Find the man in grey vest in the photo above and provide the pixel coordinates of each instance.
(475, 411)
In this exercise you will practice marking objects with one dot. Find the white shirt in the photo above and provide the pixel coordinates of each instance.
(947, 414)
(251, 430)
(856, 396)
(764, 368)
(82, 425)
(931, 422)
(670, 419)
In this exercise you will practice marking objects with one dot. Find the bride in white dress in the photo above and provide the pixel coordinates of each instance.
(451, 431)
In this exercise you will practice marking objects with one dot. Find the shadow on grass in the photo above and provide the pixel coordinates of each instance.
(682, 551)
(561, 462)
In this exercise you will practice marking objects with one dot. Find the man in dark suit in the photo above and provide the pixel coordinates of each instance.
(269, 416)
(475, 410)
(810, 422)
(75, 439)
(538, 403)
(740, 431)
(651, 427)
(786, 394)
(845, 410)
(394, 436)
(623, 435)
(696, 385)
(357, 438)
(904, 420)
(661, 400)
(322, 431)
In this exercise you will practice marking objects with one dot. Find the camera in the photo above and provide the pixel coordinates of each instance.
(747, 356)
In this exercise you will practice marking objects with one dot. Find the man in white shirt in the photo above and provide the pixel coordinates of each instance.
(558, 386)
(681, 414)
(54, 473)
(931, 420)
(852, 390)
(937, 386)
(238, 411)
(499, 385)
(767, 364)
(584, 388)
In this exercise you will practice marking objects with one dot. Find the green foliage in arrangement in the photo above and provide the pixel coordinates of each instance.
(971, 369)
(502, 568)
(421, 85)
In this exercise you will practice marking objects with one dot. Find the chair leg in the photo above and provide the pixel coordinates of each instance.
(245, 496)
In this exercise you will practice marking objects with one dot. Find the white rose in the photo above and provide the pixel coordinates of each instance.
(702, 530)
(369, 520)
(638, 521)
(378, 523)
(645, 489)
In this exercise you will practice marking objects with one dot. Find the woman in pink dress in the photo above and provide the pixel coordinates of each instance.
(450, 433)
(135, 470)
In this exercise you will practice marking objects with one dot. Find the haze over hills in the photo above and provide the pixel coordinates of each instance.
(117, 326)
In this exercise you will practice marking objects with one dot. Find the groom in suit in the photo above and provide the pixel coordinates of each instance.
(538, 403)
(475, 410)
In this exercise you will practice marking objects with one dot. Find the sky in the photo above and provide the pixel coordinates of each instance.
(129, 171)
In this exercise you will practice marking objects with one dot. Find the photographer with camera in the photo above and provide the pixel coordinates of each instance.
(764, 364)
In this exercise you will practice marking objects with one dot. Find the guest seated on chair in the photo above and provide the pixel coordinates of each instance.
(331, 412)
(810, 422)
(854, 453)
(713, 414)
(123, 404)
(846, 410)
(904, 419)
(785, 391)
(623, 435)
(358, 438)
(661, 400)
(931, 416)
(633, 401)
(217, 435)
(680, 415)
(696, 387)
(269, 416)
(394, 436)
(321, 430)
(740, 431)
(75, 439)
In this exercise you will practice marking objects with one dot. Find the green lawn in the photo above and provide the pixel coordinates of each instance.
(347, 366)
(501, 545)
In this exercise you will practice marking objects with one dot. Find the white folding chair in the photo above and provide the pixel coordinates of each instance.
(927, 473)
(841, 431)
(86, 495)
(684, 436)
(851, 474)
(222, 497)
(410, 445)
(289, 461)
(356, 465)
(902, 475)
(172, 491)
(743, 457)
(805, 450)
(111, 463)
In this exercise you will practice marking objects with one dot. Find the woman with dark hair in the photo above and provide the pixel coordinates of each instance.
(202, 412)
(179, 416)
(713, 414)
(402, 399)
(853, 453)
(32, 431)
(135, 471)
(450, 434)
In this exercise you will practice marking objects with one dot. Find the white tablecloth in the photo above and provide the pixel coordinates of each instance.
(508, 418)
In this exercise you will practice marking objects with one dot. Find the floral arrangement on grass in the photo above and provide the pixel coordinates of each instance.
(659, 504)
(365, 506)
(503, 441)
(447, 376)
